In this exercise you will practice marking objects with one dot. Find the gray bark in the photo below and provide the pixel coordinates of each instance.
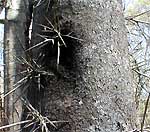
(92, 89)
(14, 45)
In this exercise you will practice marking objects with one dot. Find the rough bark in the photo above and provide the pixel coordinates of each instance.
(14, 39)
(92, 89)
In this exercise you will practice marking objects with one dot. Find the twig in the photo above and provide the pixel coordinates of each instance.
(145, 110)
(20, 81)
(14, 124)
(58, 54)
(39, 44)
(137, 15)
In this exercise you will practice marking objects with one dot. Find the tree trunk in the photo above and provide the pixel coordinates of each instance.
(14, 39)
(91, 90)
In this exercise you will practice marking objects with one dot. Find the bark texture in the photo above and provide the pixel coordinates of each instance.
(92, 88)
(14, 39)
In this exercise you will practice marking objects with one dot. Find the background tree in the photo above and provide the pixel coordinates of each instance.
(14, 47)
(138, 21)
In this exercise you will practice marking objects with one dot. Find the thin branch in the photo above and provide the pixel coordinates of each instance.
(137, 15)
(58, 54)
(16, 87)
(39, 44)
(145, 111)
(141, 74)
(14, 124)
(56, 31)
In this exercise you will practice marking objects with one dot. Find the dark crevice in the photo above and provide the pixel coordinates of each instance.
(47, 60)
(28, 94)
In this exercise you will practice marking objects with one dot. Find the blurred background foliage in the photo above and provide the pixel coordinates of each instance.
(137, 15)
